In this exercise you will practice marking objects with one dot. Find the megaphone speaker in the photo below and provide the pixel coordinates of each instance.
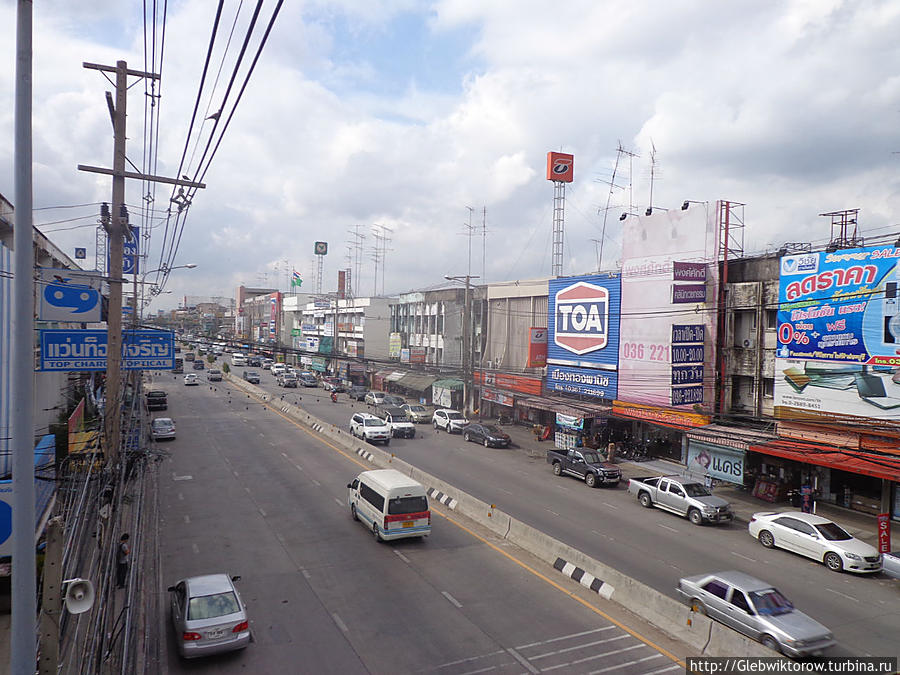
(79, 595)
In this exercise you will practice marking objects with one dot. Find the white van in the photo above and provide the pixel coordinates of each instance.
(390, 504)
(238, 359)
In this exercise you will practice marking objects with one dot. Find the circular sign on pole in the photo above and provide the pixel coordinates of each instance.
(321, 248)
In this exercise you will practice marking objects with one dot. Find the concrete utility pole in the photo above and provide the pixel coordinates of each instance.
(466, 341)
(117, 230)
(24, 585)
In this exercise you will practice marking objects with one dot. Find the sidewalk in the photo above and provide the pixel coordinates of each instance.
(860, 525)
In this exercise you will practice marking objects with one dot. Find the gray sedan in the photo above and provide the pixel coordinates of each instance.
(754, 608)
(208, 616)
(162, 427)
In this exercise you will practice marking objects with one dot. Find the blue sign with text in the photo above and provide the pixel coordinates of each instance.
(85, 350)
(583, 381)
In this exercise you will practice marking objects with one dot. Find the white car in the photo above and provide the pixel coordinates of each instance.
(277, 369)
(449, 420)
(370, 428)
(815, 537)
(191, 379)
(374, 398)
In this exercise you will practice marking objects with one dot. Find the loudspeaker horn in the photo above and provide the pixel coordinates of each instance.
(79, 595)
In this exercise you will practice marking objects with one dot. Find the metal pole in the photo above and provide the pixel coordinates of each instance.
(116, 249)
(467, 328)
(24, 585)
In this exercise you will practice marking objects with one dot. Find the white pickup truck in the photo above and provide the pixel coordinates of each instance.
(683, 497)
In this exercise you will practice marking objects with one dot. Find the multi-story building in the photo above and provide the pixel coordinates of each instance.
(242, 323)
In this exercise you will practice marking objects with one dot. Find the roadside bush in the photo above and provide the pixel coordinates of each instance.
(225, 368)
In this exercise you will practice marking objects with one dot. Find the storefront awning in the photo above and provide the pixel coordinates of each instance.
(851, 461)
(383, 373)
(416, 382)
(564, 406)
(730, 437)
(394, 376)
(448, 384)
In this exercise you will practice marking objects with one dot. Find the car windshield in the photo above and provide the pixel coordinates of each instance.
(491, 429)
(407, 505)
(211, 606)
(770, 602)
(454, 416)
(833, 532)
(162, 424)
(696, 490)
(592, 458)
(374, 422)
(417, 408)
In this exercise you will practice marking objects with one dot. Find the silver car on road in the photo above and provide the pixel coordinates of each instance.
(208, 616)
(754, 608)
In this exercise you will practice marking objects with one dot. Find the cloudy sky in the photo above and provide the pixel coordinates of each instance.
(407, 114)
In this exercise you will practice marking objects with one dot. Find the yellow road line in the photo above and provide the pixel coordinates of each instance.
(506, 554)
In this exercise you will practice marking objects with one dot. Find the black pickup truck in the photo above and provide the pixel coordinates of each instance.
(585, 464)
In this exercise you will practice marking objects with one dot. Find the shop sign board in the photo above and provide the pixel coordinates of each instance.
(688, 271)
(69, 295)
(692, 333)
(518, 383)
(394, 344)
(582, 381)
(351, 349)
(85, 350)
(714, 460)
(688, 293)
(687, 375)
(583, 328)
(884, 533)
(569, 422)
(687, 395)
(654, 414)
(497, 397)
(404, 356)
(417, 354)
(317, 363)
(560, 167)
(537, 347)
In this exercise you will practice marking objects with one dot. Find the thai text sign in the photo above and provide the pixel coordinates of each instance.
(688, 271)
(583, 381)
(84, 350)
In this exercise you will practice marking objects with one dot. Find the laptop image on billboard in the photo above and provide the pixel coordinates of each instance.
(871, 390)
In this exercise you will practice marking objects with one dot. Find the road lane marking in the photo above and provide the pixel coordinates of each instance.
(236, 474)
(672, 529)
(745, 557)
(557, 652)
(564, 637)
(299, 468)
(316, 483)
(553, 512)
(182, 477)
(506, 491)
(453, 601)
(631, 663)
(196, 548)
(609, 505)
(843, 595)
(662, 670)
(284, 454)
(402, 557)
(592, 658)
(180, 496)
(339, 502)
(263, 513)
(340, 624)
(247, 489)
(187, 520)
(306, 574)
(525, 664)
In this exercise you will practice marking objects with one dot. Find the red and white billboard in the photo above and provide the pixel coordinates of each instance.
(560, 167)
(537, 347)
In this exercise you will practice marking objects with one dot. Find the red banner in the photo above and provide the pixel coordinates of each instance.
(537, 347)
(884, 533)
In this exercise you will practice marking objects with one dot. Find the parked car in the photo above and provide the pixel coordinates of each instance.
(393, 399)
(208, 615)
(397, 421)
(308, 380)
(199, 365)
(191, 380)
(287, 380)
(417, 413)
(814, 537)
(756, 609)
(251, 376)
(584, 463)
(682, 497)
(487, 434)
(890, 564)
(374, 398)
(334, 384)
(370, 428)
(157, 400)
(214, 375)
(162, 427)
(357, 392)
(449, 420)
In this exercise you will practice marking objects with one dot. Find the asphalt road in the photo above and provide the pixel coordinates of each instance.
(652, 546)
(248, 492)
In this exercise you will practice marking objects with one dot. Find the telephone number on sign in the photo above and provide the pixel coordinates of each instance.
(645, 352)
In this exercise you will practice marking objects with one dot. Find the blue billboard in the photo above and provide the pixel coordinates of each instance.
(583, 321)
(841, 306)
(582, 381)
(85, 350)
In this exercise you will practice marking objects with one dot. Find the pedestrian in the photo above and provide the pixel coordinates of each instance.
(122, 553)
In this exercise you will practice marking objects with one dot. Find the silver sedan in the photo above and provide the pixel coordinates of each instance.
(208, 616)
(162, 427)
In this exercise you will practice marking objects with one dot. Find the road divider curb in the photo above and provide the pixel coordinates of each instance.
(668, 614)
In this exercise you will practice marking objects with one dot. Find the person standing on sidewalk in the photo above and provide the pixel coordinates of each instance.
(122, 553)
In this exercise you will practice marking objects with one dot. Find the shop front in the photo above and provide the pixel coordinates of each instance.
(447, 393)
(378, 378)
(859, 480)
(498, 393)
(417, 385)
(719, 453)
(658, 431)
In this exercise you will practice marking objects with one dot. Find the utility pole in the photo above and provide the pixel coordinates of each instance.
(117, 230)
(24, 585)
(466, 340)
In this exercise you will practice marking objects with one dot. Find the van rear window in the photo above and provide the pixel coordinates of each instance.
(407, 505)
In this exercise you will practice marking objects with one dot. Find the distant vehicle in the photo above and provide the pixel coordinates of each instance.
(214, 375)
(393, 399)
(370, 428)
(162, 427)
(191, 379)
(397, 421)
(334, 384)
(587, 465)
(357, 392)
(277, 368)
(308, 380)
(251, 376)
(201, 350)
(682, 497)
(266, 364)
(287, 380)
(157, 400)
(390, 504)
(449, 420)
(254, 361)
(208, 616)
(487, 434)
(179, 365)
(199, 365)
(238, 359)
(756, 609)
(190, 356)
(815, 537)
(417, 413)
(375, 398)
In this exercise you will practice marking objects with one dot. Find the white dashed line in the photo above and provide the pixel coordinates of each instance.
(452, 600)
(666, 527)
(180, 496)
(299, 468)
(262, 513)
(843, 595)
(284, 454)
(236, 474)
(339, 502)
(402, 557)
(340, 624)
(316, 483)
(187, 520)
(739, 555)
(195, 548)
(306, 575)
(247, 489)
(609, 505)
(553, 512)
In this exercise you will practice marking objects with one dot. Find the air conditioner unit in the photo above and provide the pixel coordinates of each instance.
(749, 343)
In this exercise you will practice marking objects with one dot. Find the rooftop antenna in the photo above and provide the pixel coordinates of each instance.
(612, 185)
(653, 171)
